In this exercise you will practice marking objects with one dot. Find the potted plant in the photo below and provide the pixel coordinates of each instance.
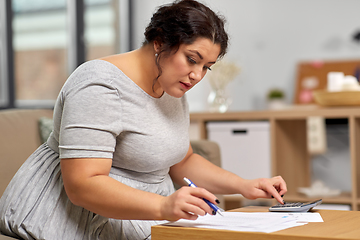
(276, 99)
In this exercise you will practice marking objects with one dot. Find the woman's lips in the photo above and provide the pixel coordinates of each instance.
(187, 86)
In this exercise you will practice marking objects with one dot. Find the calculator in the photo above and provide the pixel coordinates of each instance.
(294, 207)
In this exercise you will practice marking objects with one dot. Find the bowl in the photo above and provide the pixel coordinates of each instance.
(341, 98)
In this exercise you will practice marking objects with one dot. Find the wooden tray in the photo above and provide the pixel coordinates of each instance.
(343, 98)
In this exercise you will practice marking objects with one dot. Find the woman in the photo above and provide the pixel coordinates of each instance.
(120, 139)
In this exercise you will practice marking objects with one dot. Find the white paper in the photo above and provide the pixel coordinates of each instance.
(300, 217)
(251, 222)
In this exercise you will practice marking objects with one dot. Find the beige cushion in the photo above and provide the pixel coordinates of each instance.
(207, 149)
(211, 151)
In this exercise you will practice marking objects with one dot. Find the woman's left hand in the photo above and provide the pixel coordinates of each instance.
(264, 188)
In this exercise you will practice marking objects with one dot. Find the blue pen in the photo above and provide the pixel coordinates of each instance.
(213, 206)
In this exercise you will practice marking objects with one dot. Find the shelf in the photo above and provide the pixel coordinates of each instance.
(290, 157)
(294, 112)
(343, 198)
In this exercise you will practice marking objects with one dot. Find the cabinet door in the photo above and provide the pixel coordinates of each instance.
(245, 147)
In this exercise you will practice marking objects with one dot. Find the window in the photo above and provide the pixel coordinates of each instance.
(40, 49)
(3, 85)
(6, 56)
(100, 28)
(41, 42)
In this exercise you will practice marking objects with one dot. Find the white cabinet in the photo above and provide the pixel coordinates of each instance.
(244, 146)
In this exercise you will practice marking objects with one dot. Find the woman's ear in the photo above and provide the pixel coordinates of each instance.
(157, 46)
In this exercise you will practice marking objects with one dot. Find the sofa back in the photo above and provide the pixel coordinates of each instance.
(19, 138)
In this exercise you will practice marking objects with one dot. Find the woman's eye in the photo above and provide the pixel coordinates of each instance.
(191, 60)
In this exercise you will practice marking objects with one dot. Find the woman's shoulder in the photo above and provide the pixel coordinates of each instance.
(94, 76)
(95, 71)
(97, 66)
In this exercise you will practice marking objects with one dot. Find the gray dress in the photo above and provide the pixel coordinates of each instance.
(100, 113)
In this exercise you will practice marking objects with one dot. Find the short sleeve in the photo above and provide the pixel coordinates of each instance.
(90, 121)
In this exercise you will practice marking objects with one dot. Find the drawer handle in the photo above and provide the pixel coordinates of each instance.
(239, 131)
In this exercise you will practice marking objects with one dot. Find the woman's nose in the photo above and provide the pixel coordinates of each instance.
(196, 74)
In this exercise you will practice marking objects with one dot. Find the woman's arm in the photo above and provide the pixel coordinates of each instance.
(219, 181)
(87, 184)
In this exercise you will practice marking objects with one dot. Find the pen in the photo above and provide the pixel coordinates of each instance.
(213, 206)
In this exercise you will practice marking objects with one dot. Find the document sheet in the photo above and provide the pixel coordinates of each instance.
(251, 222)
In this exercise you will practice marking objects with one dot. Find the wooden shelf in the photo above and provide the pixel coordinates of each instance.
(289, 153)
(343, 198)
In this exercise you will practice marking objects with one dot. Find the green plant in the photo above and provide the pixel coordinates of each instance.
(275, 94)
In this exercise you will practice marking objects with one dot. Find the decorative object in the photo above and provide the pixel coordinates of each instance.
(222, 73)
(318, 189)
(276, 99)
(311, 72)
(341, 98)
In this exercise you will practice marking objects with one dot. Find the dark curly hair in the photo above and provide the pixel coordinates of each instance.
(182, 22)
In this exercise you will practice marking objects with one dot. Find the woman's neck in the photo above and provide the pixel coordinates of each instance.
(147, 70)
(139, 65)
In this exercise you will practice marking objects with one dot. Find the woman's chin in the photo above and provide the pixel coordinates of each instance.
(177, 94)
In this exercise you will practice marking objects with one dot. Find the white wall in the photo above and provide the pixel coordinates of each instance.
(268, 39)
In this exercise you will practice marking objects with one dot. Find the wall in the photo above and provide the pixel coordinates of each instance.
(268, 39)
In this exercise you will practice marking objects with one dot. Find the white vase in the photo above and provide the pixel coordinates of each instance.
(218, 100)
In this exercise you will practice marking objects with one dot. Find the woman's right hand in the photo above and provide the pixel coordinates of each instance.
(187, 203)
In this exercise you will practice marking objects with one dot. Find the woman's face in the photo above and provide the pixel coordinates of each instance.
(184, 69)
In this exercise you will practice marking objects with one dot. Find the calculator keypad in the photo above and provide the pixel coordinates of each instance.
(296, 204)
(295, 207)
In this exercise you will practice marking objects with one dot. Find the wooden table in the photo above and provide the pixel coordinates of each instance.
(344, 225)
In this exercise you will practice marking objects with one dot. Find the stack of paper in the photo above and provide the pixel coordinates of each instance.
(251, 222)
